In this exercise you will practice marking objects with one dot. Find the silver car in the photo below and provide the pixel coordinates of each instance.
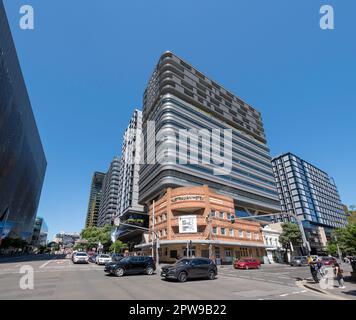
(299, 261)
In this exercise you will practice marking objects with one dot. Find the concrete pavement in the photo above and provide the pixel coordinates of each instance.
(58, 278)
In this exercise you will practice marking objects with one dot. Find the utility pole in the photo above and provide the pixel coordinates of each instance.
(338, 249)
(153, 226)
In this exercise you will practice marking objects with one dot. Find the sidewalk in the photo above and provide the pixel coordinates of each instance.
(348, 293)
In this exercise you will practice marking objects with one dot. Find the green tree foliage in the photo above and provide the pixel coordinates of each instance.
(94, 235)
(290, 234)
(331, 249)
(117, 246)
(345, 238)
(352, 214)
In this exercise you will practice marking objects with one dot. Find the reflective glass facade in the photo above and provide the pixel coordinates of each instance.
(22, 159)
(310, 193)
(179, 98)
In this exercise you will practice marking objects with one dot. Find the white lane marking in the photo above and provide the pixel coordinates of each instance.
(46, 263)
(284, 295)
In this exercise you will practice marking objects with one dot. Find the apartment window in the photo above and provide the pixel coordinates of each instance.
(221, 215)
(231, 232)
(223, 231)
(257, 236)
(248, 235)
(241, 234)
(164, 217)
(229, 216)
(212, 213)
(215, 230)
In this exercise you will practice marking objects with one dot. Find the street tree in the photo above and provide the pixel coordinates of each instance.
(117, 246)
(96, 235)
(290, 235)
(345, 238)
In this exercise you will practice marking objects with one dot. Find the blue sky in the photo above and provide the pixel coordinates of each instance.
(87, 62)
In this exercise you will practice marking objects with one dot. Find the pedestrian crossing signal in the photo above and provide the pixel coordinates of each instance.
(232, 219)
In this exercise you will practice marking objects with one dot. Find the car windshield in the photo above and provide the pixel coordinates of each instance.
(80, 254)
(245, 260)
(104, 256)
(183, 261)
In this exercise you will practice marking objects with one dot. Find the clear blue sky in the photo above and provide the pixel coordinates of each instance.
(87, 62)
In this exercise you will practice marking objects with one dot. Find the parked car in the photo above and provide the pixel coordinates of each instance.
(80, 257)
(186, 268)
(247, 263)
(349, 259)
(299, 261)
(131, 265)
(102, 259)
(328, 261)
(92, 258)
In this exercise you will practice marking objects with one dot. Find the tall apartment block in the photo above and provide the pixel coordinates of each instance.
(129, 210)
(311, 194)
(94, 199)
(178, 96)
(109, 195)
(22, 159)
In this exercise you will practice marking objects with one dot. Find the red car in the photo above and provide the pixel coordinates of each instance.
(247, 263)
(328, 261)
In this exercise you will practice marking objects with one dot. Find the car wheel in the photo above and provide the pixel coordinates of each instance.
(149, 271)
(211, 275)
(182, 277)
(119, 272)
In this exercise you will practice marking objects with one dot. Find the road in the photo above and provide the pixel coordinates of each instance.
(59, 278)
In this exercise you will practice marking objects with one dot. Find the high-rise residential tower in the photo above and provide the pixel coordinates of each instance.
(22, 159)
(109, 195)
(94, 199)
(180, 98)
(311, 194)
(129, 210)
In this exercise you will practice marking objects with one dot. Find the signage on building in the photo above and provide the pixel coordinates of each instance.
(188, 224)
(188, 198)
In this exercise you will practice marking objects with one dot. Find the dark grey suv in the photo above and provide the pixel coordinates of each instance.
(131, 265)
(190, 268)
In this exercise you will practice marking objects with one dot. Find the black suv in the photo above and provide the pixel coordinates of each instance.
(190, 268)
(131, 265)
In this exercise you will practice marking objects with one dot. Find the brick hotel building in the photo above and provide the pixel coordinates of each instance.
(195, 221)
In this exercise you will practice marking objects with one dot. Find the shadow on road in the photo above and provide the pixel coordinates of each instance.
(32, 257)
(351, 292)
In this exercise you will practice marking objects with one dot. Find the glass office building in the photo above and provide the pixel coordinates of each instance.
(40, 233)
(178, 97)
(22, 159)
(311, 194)
(94, 199)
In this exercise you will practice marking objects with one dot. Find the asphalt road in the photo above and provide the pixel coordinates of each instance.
(59, 278)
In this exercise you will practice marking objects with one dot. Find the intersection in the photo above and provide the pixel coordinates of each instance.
(58, 278)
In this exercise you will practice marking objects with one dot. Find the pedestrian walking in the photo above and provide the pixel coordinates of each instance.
(314, 272)
(339, 275)
(320, 268)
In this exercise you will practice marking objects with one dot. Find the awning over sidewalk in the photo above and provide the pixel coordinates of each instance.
(215, 242)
